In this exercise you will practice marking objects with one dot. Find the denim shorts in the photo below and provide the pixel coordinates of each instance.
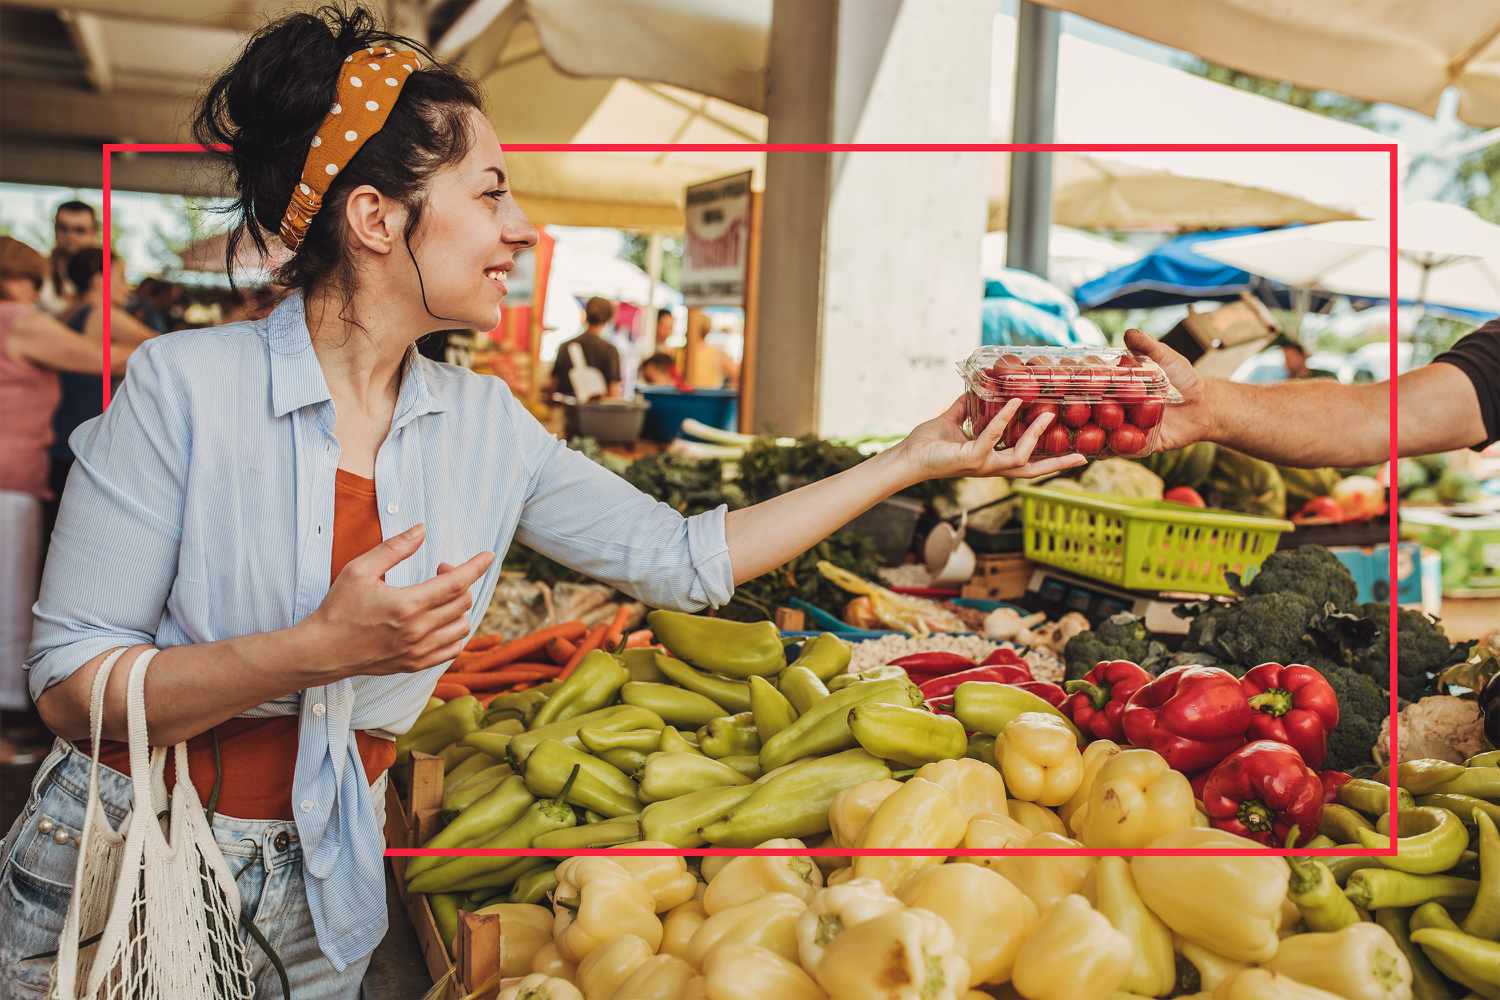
(39, 854)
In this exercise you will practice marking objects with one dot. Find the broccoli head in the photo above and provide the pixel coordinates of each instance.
(1310, 570)
(1188, 658)
(1119, 637)
(1259, 629)
(1422, 649)
(1363, 707)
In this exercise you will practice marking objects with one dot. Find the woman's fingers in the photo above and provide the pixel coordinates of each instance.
(445, 614)
(1021, 453)
(989, 438)
(1044, 467)
(448, 584)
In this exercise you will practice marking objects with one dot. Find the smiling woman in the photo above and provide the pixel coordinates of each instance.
(289, 508)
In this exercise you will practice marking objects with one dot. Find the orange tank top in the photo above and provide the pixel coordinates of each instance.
(258, 756)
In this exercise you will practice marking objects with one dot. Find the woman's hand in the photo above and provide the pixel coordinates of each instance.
(367, 626)
(939, 449)
(1193, 419)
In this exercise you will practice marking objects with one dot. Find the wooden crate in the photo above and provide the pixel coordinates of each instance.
(409, 822)
(1000, 577)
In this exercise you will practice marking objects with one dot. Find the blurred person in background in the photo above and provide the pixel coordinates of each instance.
(659, 369)
(83, 391)
(598, 353)
(34, 348)
(74, 227)
(708, 366)
(665, 325)
(153, 303)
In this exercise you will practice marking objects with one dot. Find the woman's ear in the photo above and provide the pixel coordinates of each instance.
(374, 221)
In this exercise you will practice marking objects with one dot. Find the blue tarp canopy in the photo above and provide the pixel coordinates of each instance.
(1023, 310)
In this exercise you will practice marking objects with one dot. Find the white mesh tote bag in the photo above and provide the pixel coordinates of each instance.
(168, 906)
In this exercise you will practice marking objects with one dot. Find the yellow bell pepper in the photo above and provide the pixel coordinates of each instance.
(1360, 962)
(1045, 880)
(1153, 967)
(596, 901)
(662, 977)
(525, 929)
(1291, 919)
(1136, 798)
(608, 966)
(836, 909)
(745, 972)
(853, 807)
(540, 987)
(1036, 818)
(696, 989)
(1231, 905)
(1263, 984)
(829, 865)
(1073, 954)
(989, 917)
(750, 877)
(841, 876)
(1095, 755)
(770, 922)
(667, 879)
(996, 832)
(903, 954)
(548, 961)
(921, 814)
(679, 926)
(1213, 968)
(975, 785)
(1038, 755)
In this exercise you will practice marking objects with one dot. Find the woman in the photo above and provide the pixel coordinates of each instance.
(303, 513)
(34, 347)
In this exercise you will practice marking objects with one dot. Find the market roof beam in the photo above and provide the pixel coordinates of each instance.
(88, 38)
(32, 110)
(79, 166)
(239, 15)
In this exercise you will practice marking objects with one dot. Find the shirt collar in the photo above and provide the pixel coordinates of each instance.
(297, 378)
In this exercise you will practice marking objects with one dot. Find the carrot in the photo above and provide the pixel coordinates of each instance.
(448, 690)
(616, 630)
(495, 679)
(516, 649)
(561, 651)
(639, 639)
(480, 643)
(588, 645)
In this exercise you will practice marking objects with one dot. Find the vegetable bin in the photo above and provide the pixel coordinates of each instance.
(670, 407)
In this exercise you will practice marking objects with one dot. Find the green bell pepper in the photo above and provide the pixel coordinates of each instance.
(669, 775)
(827, 656)
(593, 684)
(794, 802)
(675, 705)
(802, 688)
(606, 833)
(732, 695)
(735, 649)
(909, 736)
(534, 886)
(770, 708)
(598, 785)
(616, 717)
(824, 728)
(641, 664)
(679, 821)
(440, 728)
(729, 736)
(488, 815)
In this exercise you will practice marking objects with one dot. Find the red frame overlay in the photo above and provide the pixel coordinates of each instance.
(1390, 150)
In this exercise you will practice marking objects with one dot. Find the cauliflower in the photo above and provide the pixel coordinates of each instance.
(1441, 727)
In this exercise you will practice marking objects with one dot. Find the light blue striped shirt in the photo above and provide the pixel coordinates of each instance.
(201, 508)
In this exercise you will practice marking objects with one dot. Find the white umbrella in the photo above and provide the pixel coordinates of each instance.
(1073, 257)
(1446, 255)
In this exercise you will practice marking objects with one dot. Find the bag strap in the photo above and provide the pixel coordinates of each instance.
(144, 773)
(96, 719)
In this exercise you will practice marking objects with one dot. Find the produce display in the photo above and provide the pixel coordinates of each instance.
(1102, 401)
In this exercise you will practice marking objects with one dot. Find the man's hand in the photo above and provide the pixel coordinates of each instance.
(939, 449)
(1191, 421)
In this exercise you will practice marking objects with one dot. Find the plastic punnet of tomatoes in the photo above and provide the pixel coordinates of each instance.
(1104, 401)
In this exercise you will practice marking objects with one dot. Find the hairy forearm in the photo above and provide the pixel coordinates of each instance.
(1310, 424)
(192, 688)
(775, 532)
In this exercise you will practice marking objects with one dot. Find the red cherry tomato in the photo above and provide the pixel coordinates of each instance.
(1034, 410)
(1076, 414)
(1089, 440)
(1013, 432)
(1041, 360)
(1013, 360)
(1129, 361)
(1109, 416)
(1127, 440)
(1018, 385)
(1056, 441)
(1145, 415)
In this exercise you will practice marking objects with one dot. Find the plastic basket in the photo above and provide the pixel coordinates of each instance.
(669, 408)
(1144, 544)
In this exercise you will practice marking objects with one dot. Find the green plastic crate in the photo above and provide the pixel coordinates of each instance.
(1144, 544)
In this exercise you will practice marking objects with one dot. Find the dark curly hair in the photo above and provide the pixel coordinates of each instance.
(265, 109)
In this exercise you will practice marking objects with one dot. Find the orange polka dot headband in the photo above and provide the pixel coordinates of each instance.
(369, 85)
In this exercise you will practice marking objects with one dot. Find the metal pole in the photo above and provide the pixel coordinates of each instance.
(1029, 221)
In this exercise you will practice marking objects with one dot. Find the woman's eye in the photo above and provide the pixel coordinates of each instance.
(496, 194)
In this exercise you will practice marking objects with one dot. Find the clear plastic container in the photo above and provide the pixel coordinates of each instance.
(1105, 401)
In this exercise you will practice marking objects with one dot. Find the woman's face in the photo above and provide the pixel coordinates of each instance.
(471, 230)
(22, 290)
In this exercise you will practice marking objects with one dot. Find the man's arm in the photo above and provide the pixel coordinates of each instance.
(1319, 423)
(39, 339)
(123, 327)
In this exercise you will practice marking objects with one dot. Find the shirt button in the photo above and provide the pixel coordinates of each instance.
(390, 508)
(320, 710)
(307, 805)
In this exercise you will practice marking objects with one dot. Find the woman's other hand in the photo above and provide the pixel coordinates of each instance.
(367, 626)
(939, 449)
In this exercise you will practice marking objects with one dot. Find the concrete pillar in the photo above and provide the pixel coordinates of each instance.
(870, 284)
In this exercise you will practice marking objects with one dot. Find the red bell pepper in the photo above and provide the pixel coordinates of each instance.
(933, 663)
(1332, 782)
(1006, 655)
(1096, 702)
(1263, 790)
(938, 687)
(1293, 705)
(1192, 715)
(1045, 690)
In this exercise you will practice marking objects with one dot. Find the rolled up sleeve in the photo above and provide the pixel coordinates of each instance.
(587, 518)
(113, 555)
